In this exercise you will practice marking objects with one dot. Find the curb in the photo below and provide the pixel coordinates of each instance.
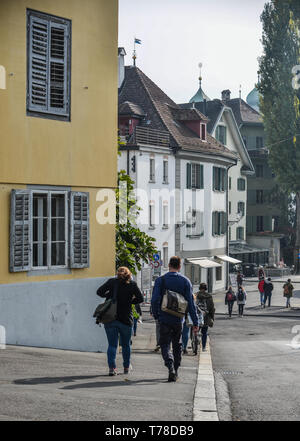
(261, 315)
(205, 407)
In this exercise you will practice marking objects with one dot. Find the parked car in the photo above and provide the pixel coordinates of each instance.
(249, 269)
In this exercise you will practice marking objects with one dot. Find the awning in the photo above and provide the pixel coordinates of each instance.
(239, 248)
(229, 259)
(204, 263)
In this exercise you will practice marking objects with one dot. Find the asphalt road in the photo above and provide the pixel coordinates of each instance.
(257, 360)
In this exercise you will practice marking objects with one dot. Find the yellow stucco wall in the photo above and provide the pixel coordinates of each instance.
(82, 153)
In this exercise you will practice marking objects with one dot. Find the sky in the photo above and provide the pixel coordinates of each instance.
(224, 35)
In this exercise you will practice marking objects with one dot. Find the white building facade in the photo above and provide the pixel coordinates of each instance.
(180, 174)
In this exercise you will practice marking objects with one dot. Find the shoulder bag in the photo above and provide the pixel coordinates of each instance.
(107, 312)
(172, 302)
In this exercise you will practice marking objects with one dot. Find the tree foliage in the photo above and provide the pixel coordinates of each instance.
(133, 246)
(279, 97)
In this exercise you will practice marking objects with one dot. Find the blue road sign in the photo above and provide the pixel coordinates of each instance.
(156, 256)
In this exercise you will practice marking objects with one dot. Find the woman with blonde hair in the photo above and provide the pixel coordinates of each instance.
(127, 293)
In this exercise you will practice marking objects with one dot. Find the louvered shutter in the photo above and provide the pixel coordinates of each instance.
(188, 176)
(38, 64)
(48, 64)
(214, 223)
(201, 177)
(79, 230)
(198, 178)
(20, 230)
(214, 178)
(58, 55)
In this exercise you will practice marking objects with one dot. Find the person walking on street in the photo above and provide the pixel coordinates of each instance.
(241, 300)
(205, 303)
(288, 292)
(157, 326)
(128, 293)
(137, 314)
(239, 278)
(261, 273)
(170, 325)
(261, 284)
(230, 298)
(185, 337)
(268, 288)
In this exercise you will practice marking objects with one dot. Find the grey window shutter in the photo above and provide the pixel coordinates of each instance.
(20, 230)
(79, 230)
(58, 68)
(38, 48)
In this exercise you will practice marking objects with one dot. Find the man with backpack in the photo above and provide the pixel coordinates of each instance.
(241, 300)
(230, 298)
(288, 292)
(205, 303)
(172, 285)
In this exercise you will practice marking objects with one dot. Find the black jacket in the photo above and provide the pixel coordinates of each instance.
(127, 294)
(204, 297)
(268, 288)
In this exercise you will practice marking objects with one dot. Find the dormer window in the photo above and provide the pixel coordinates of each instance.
(203, 132)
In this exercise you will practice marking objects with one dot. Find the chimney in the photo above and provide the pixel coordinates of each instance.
(121, 55)
(226, 95)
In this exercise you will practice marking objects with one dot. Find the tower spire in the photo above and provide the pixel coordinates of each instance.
(200, 76)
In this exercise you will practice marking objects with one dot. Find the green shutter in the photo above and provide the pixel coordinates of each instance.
(213, 223)
(188, 176)
(201, 176)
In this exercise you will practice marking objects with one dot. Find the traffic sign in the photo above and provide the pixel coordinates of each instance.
(156, 256)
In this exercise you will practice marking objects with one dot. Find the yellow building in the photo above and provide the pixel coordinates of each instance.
(58, 137)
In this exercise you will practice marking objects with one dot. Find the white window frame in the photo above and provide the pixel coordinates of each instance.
(49, 193)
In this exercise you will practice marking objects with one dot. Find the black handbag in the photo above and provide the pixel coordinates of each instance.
(107, 312)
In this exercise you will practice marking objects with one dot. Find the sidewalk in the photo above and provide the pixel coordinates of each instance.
(253, 307)
(49, 384)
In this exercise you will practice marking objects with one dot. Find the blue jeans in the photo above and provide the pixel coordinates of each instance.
(113, 331)
(262, 297)
(134, 327)
(204, 330)
(185, 336)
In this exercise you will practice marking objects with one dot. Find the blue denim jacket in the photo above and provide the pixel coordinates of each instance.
(178, 283)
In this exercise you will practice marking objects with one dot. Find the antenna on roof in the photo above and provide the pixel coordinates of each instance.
(240, 93)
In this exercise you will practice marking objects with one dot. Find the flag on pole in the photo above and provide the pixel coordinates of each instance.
(137, 41)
